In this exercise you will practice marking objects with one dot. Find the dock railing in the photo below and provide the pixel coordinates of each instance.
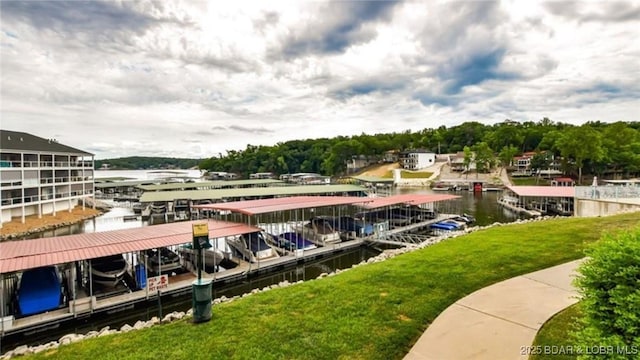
(607, 192)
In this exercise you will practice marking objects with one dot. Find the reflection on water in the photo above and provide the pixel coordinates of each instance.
(483, 205)
(111, 220)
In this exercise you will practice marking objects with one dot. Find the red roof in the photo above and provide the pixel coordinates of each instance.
(544, 191)
(254, 207)
(26, 254)
(563, 179)
(411, 199)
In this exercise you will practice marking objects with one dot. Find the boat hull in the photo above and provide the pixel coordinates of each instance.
(109, 270)
(162, 260)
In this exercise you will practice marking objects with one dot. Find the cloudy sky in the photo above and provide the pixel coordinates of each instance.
(196, 78)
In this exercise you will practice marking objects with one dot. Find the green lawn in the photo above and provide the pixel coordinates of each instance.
(376, 311)
(415, 174)
(522, 181)
(553, 338)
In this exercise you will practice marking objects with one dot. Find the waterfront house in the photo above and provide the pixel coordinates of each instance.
(41, 176)
(417, 159)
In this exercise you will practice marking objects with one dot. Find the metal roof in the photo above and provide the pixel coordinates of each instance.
(209, 184)
(411, 199)
(372, 179)
(21, 141)
(113, 184)
(254, 207)
(219, 194)
(26, 254)
(543, 191)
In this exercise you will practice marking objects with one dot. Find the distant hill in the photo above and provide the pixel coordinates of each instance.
(146, 163)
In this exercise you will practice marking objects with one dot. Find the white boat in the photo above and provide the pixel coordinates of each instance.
(318, 230)
(252, 247)
(212, 257)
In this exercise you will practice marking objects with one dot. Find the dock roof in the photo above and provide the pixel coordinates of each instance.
(26, 254)
(372, 179)
(209, 184)
(262, 206)
(409, 199)
(543, 191)
(219, 194)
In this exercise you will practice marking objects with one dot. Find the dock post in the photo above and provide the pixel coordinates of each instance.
(201, 288)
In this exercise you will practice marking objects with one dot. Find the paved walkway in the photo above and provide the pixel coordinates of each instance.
(496, 322)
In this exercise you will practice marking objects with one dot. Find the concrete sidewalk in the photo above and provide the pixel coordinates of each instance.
(499, 321)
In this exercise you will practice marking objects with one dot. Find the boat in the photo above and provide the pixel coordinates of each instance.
(350, 224)
(109, 270)
(252, 247)
(39, 290)
(161, 260)
(318, 230)
(512, 203)
(440, 187)
(465, 218)
(293, 241)
(212, 257)
(443, 226)
(158, 207)
(458, 225)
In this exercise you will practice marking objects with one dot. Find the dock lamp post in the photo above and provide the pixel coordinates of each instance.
(201, 288)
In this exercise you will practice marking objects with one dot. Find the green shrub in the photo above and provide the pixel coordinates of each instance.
(609, 281)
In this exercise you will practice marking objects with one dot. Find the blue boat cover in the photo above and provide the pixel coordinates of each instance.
(39, 290)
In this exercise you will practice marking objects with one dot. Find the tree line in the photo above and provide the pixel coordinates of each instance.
(595, 147)
(146, 162)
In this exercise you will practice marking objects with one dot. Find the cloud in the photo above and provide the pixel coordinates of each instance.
(473, 69)
(180, 77)
(336, 26)
(610, 11)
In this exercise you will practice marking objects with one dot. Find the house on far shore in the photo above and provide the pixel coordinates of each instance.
(41, 176)
(417, 159)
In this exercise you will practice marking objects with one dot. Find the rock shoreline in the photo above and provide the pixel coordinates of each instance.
(49, 227)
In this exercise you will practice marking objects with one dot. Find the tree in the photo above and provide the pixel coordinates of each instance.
(579, 144)
(506, 156)
(608, 283)
(466, 161)
(484, 157)
(540, 161)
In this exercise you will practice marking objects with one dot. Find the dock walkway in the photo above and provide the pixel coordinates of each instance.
(499, 321)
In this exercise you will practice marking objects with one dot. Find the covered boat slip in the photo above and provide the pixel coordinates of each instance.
(549, 200)
(293, 214)
(68, 252)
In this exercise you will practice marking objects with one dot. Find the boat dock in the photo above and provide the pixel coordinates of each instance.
(539, 200)
(73, 254)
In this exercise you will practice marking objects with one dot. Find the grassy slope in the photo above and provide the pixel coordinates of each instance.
(376, 311)
(555, 333)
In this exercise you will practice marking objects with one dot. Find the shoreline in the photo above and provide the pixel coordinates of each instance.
(16, 230)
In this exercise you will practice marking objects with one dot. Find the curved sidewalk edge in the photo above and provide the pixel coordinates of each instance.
(499, 321)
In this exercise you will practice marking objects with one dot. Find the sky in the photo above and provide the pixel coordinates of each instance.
(196, 78)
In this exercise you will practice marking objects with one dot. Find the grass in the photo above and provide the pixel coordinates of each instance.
(554, 336)
(376, 311)
(526, 181)
(415, 174)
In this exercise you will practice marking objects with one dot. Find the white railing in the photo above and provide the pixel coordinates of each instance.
(607, 192)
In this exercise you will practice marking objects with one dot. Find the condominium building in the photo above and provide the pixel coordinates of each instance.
(41, 176)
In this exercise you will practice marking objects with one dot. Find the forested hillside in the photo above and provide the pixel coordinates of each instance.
(594, 147)
(143, 162)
